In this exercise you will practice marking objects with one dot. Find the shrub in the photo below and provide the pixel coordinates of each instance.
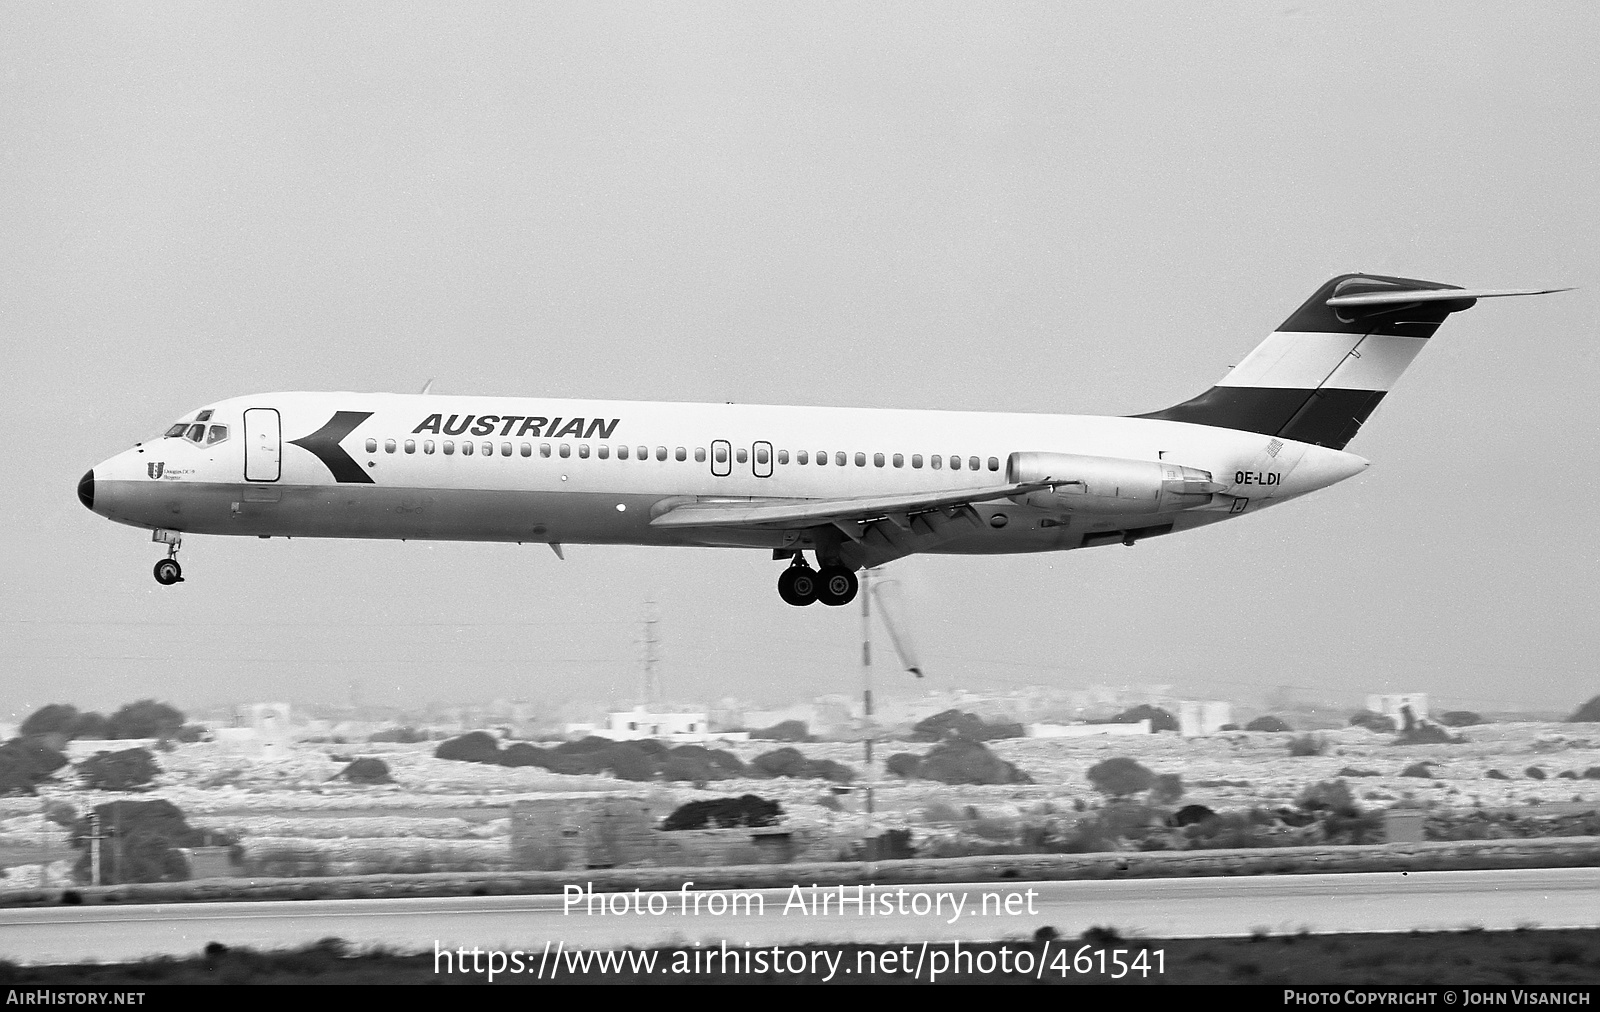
(1423, 733)
(724, 813)
(367, 771)
(472, 747)
(1190, 815)
(1307, 744)
(627, 762)
(1534, 773)
(52, 718)
(968, 762)
(903, 764)
(788, 762)
(1417, 770)
(127, 770)
(966, 726)
(405, 735)
(522, 754)
(1588, 713)
(1120, 777)
(1496, 775)
(1460, 718)
(1328, 796)
(188, 733)
(1592, 773)
(1168, 788)
(784, 730)
(24, 762)
(1268, 723)
(592, 743)
(1373, 721)
(1351, 771)
(140, 842)
(1160, 720)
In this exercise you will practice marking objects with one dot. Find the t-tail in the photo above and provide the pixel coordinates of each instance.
(1325, 370)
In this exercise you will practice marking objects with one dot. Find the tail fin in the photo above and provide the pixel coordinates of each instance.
(1321, 373)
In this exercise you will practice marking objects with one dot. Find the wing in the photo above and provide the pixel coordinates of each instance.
(879, 528)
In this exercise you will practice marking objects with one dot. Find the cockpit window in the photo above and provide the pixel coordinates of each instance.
(216, 434)
(204, 416)
(176, 430)
(196, 433)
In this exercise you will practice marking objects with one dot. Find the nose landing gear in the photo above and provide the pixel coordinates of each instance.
(801, 585)
(167, 571)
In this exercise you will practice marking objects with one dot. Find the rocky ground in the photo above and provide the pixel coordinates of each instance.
(443, 815)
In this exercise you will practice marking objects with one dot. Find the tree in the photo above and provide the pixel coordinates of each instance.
(1268, 723)
(1160, 720)
(472, 747)
(1120, 777)
(1460, 718)
(26, 761)
(367, 771)
(1588, 713)
(127, 770)
(52, 718)
(1167, 788)
(139, 842)
(146, 719)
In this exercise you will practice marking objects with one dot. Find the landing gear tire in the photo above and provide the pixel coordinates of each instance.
(168, 572)
(839, 586)
(799, 585)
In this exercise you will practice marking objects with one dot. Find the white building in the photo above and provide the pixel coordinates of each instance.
(1200, 717)
(639, 723)
(1086, 730)
(1391, 706)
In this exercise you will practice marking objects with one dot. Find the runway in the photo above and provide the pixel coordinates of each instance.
(1165, 908)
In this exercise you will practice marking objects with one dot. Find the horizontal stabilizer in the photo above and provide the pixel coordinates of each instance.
(812, 512)
(1407, 297)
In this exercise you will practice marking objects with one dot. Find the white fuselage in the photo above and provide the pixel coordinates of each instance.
(554, 470)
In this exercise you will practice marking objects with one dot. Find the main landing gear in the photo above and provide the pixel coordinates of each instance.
(167, 570)
(800, 585)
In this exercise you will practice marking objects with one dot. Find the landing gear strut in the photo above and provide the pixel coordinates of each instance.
(800, 585)
(167, 570)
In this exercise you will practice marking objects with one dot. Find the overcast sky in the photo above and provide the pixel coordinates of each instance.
(1055, 207)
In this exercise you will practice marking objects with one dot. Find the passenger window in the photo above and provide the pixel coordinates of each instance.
(388, 446)
(544, 449)
(449, 447)
(372, 446)
(411, 446)
(994, 463)
(216, 434)
(861, 459)
(661, 453)
(566, 450)
(680, 454)
(622, 453)
(741, 455)
(583, 450)
(933, 461)
(488, 449)
(644, 453)
(973, 463)
(899, 460)
(720, 452)
(822, 457)
(916, 460)
(196, 433)
(802, 457)
(603, 451)
(700, 454)
(505, 449)
(761, 455)
(838, 457)
(783, 456)
(877, 460)
(527, 449)
(466, 449)
(427, 446)
(955, 462)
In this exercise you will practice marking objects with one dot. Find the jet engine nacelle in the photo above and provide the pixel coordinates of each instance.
(1110, 484)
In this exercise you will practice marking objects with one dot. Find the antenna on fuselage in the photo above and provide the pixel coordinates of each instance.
(426, 387)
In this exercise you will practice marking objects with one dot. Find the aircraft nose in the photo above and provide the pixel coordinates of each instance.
(86, 489)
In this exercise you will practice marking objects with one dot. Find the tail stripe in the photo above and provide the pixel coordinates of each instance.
(1307, 361)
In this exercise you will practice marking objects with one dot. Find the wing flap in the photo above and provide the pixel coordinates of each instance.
(784, 513)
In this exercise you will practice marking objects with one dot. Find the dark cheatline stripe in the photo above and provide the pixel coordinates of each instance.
(1325, 417)
(1317, 317)
(325, 444)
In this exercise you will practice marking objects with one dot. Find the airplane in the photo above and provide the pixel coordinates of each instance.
(855, 487)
